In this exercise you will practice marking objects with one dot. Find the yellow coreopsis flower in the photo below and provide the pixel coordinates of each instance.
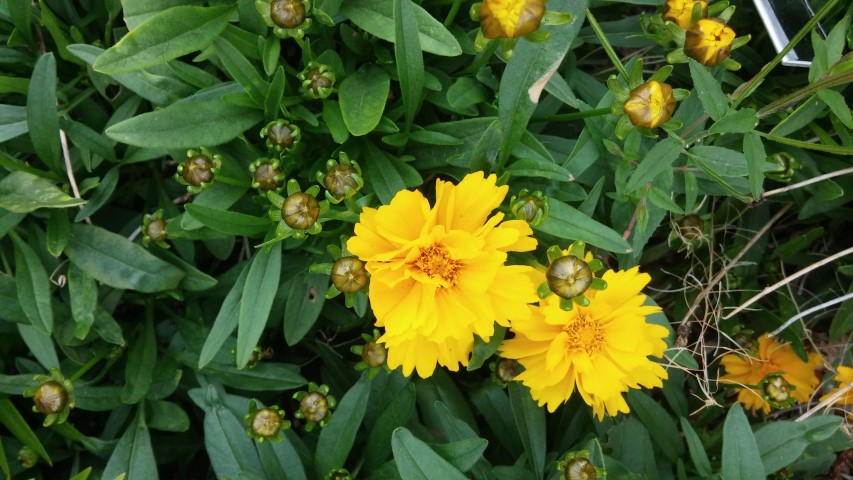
(602, 349)
(772, 358)
(709, 41)
(680, 12)
(650, 105)
(844, 377)
(437, 273)
(510, 18)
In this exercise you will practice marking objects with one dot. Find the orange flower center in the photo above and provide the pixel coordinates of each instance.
(435, 262)
(585, 334)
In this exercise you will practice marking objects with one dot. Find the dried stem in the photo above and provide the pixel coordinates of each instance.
(66, 155)
(810, 181)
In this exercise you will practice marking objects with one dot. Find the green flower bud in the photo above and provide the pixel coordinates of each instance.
(27, 457)
(579, 468)
(374, 354)
(199, 171)
(287, 13)
(709, 41)
(267, 175)
(530, 207)
(281, 135)
(650, 105)
(569, 276)
(50, 397)
(265, 423)
(315, 405)
(318, 80)
(507, 369)
(300, 210)
(154, 229)
(348, 274)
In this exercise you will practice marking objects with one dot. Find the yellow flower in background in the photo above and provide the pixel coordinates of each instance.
(650, 105)
(510, 18)
(771, 358)
(601, 350)
(680, 12)
(437, 273)
(845, 376)
(709, 41)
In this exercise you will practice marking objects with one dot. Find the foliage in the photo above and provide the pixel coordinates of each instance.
(169, 267)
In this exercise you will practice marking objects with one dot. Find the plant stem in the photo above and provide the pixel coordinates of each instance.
(787, 100)
(608, 48)
(752, 85)
(484, 57)
(807, 145)
(451, 15)
(563, 117)
(87, 366)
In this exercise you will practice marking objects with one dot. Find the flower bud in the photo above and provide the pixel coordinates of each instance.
(709, 41)
(314, 407)
(199, 171)
(50, 397)
(318, 80)
(287, 13)
(342, 181)
(568, 276)
(266, 175)
(300, 210)
(27, 457)
(154, 229)
(680, 12)
(786, 166)
(281, 135)
(374, 354)
(348, 274)
(777, 390)
(532, 208)
(507, 369)
(579, 468)
(338, 474)
(510, 18)
(650, 105)
(266, 422)
(691, 227)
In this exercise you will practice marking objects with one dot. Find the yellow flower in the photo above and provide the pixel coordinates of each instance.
(771, 358)
(602, 350)
(680, 12)
(709, 41)
(650, 105)
(510, 18)
(844, 377)
(437, 273)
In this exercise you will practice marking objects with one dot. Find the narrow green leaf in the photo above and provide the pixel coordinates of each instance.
(84, 300)
(83, 475)
(708, 90)
(739, 121)
(410, 61)
(242, 71)
(304, 303)
(659, 159)
(280, 460)
(484, 350)
(20, 429)
(225, 322)
(141, 357)
(21, 14)
(34, 291)
(229, 223)
(462, 454)
(539, 168)
(362, 97)
(337, 438)
(660, 425)
(227, 444)
(58, 230)
(256, 301)
(13, 122)
(272, 102)
(696, 449)
(723, 161)
(836, 102)
(137, 11)
(133, 456)
(164, 36)
(335, 121)
(492, 402)
(741, 458)
(377, 18)
(416, 461)
(382, 175)
(567, 222)
(42, 116)
(4, 465)
(756, 157)
(100, 196)
(396, 414)
(781, 442)
(264, 377)
(119, 263)
(167, 416)
(40, 345)
(195, 280)
(22, 192)
(186, 125)
(530, 423)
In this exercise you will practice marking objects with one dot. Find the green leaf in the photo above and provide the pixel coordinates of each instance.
(22, 192)
(141, 357)
(137, 11)
(658, 160)
(696, 449)
(410, 61)
(83, 475)
(263, 377)
(58, 229)
(362, 97)
(13, 122)
(723, 161)
(335, 121)
(34, 292)
(84, 299)
(337, 438)
(741, 458)
(842, 322)
(167, 416)
(539, 168)
(101, 195)
(756, 158)
(229, 448)
(40, 345)
(229, 223)
(20, 429)
(396, 414)
(383, 173)
(305, 300)
(280, 460)
(416, 461)
(133, 456)
(530, 423)
(186, 125)
(492, 403)
(781, 442)
(377, 18)
(195, 280)
(462, 454)
(242, 71)
(739, 121)
(164, 36)
(567, 222)
(531, 67)
(272, 102)
(42, 117)
(256, 301)
(708, 90)
(119, 263)
(484, 350)
(660, 425)
(225, 322)
(836, 102)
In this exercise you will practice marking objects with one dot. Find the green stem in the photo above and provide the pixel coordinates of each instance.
(788, 100)
(563, 117)
(807, 145)
(451, 15)
(484, 57)
(753, 84)
(87, 366)
(607, 47)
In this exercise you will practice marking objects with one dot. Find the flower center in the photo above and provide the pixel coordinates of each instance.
(435, 262)
(585, 334)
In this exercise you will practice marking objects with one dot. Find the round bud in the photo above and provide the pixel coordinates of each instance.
(709, 41)
(50, 397)
(27, 457)
(338, 178)
(691, 227)
(568, 276)
(287, 13)
(374, 354)
(680, 12)
(506, 370)
(348, 274)
(282, 135)
(314, 407)
(266, 422)
(300, 210)
(198, 169)
(266, 176)
(650, 105)
(579, 468)
(777, 389)
(156, 230)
